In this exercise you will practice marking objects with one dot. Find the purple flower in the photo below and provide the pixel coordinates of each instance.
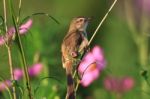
(4, 85)
(11, 32)
(18, 74)
(119, 85)
(35, 69)
(91, 66)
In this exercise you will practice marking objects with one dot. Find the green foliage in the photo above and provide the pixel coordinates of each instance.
(45, 37)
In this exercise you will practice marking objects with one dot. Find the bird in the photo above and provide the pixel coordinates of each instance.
(74, 43)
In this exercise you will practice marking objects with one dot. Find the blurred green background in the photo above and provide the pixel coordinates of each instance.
(45, 37)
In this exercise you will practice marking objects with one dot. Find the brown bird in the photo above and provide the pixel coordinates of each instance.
(74, 43)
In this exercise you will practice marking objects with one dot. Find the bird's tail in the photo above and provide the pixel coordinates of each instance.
(70, 81)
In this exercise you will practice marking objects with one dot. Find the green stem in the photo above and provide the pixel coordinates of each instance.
(5, 15)
(143, 57)
(130, 20)
(11, 71)
(9, 52)
(24, 64)
(20, 4)
(74, 74)
(21, 50)
(77, 80)
(141, 41)
(77, 85)
(143, 51)
(102, 21)
(25, 68)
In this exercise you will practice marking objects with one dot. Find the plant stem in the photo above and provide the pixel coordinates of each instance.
(5, 15)
(143, 58)
(77, 85)
(102, 21)
(130, 20)
(144, 49)
(25, 69)
(18, 18)
(141, 40)
(9, 51)
(11, 71)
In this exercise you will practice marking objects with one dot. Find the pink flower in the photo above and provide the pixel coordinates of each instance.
(127, 84)
(4, 85)
(144, 5)
(91, 66)
(22, 29)
(119, 85)
(18, 74)
(25, 27)
(35, 69)
(11, 31)
(2, 41)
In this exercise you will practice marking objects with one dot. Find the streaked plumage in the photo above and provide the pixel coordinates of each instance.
(74, 42)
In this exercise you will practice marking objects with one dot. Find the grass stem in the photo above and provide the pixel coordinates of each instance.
(9, 51)
(102, 21)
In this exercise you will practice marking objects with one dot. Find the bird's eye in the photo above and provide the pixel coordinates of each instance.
(81, 20)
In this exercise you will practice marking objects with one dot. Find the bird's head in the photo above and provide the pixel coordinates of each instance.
(79, 23)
